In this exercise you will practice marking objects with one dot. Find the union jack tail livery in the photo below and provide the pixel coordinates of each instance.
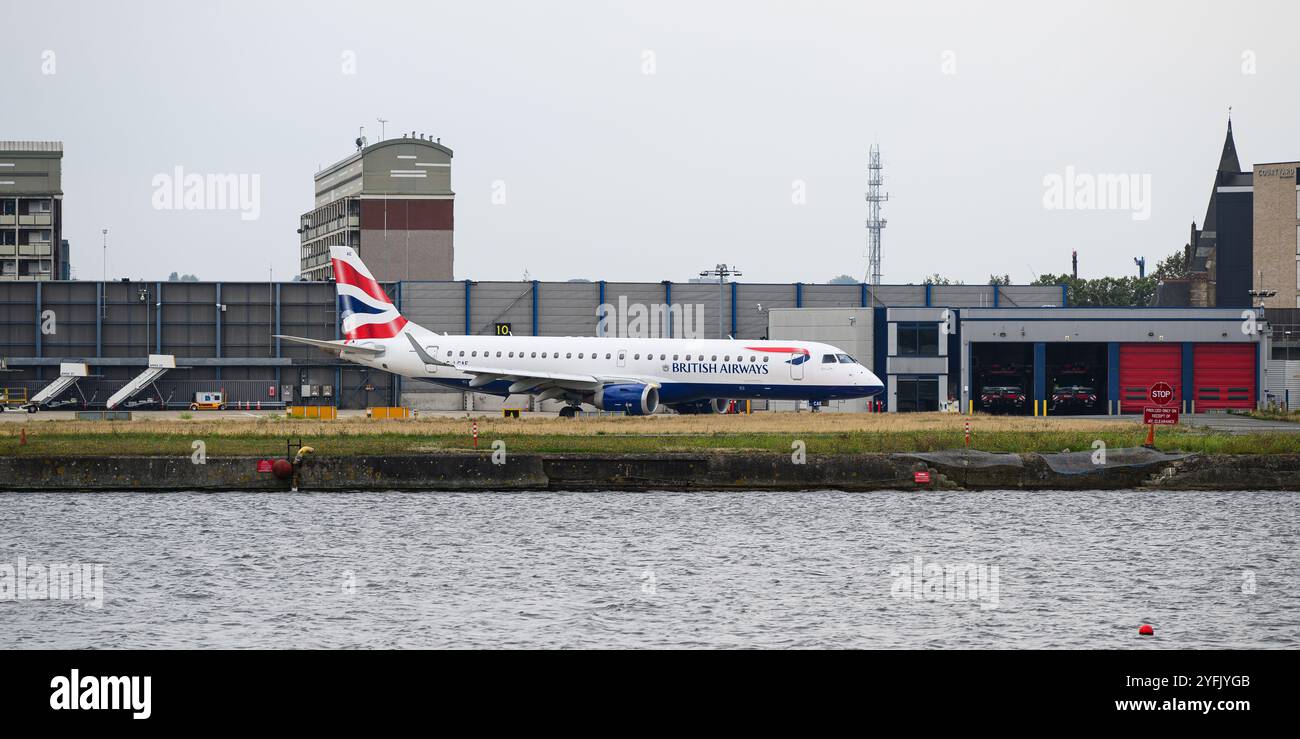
(365, 311)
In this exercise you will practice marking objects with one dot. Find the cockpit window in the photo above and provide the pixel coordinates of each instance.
(846, 359)
(828, 359)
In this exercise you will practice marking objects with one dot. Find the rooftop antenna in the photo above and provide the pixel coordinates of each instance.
(361, 138)
(104, 277)
(382, 121)
(875, 224)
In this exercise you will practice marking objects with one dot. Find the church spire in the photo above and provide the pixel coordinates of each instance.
(1228, 161)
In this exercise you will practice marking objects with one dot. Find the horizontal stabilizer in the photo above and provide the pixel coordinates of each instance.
(334, 347)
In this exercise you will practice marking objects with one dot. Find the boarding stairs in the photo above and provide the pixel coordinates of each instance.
(158, 366)
(69, 374)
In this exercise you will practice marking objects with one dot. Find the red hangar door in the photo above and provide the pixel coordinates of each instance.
(1224, 376)
(1143, 365)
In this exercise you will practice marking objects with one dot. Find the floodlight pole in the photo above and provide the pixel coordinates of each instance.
(722, 272)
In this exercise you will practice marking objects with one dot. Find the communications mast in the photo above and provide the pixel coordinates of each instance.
(875, 224)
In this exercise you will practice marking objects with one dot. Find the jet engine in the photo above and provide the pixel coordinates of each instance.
(708, 405)
(634, 399)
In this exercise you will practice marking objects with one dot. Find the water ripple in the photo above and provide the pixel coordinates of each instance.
(688, 570)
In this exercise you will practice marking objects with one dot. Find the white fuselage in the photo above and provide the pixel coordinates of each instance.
(684, 369)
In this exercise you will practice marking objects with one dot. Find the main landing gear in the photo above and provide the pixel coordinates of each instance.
(569, 411)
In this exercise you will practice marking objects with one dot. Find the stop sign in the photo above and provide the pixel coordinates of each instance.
(1161, 393)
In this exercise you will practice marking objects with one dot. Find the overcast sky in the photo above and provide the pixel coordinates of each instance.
(650, 140)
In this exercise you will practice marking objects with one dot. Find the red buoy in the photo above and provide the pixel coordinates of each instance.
(1146, 630)
(282, 468)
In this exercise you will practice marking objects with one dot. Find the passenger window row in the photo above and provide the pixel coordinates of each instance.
(608, 355)
(552, 355)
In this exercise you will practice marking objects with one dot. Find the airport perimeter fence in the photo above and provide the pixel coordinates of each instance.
(91, 394)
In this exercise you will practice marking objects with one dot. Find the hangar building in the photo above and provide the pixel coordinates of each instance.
(221, 332)
(1049, 360)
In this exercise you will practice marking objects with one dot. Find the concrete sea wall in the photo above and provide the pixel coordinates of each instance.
(1121, 469)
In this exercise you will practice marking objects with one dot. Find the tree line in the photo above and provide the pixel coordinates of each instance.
(1099, 292)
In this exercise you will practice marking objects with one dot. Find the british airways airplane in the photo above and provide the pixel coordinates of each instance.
(631, 375)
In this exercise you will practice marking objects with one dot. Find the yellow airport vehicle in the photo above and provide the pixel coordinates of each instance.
(208, 401)
(15, 397)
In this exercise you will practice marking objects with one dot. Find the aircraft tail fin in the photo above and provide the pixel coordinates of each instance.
(365, 310)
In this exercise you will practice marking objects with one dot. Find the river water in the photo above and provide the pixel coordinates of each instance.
(768, 570)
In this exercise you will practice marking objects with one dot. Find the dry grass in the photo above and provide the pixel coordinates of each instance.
(1276, 414)
(823, 433)
(759, 423)
(771, 432)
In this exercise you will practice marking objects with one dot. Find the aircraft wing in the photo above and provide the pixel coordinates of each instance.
(530, 381)
(524, 381)
(534, 381)
(334, 347)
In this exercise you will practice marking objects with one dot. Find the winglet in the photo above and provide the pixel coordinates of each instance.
(424, 355)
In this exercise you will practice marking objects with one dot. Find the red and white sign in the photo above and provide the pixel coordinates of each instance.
(263, 465)
(921, 477)
(1160, 416)
(1161, 393)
